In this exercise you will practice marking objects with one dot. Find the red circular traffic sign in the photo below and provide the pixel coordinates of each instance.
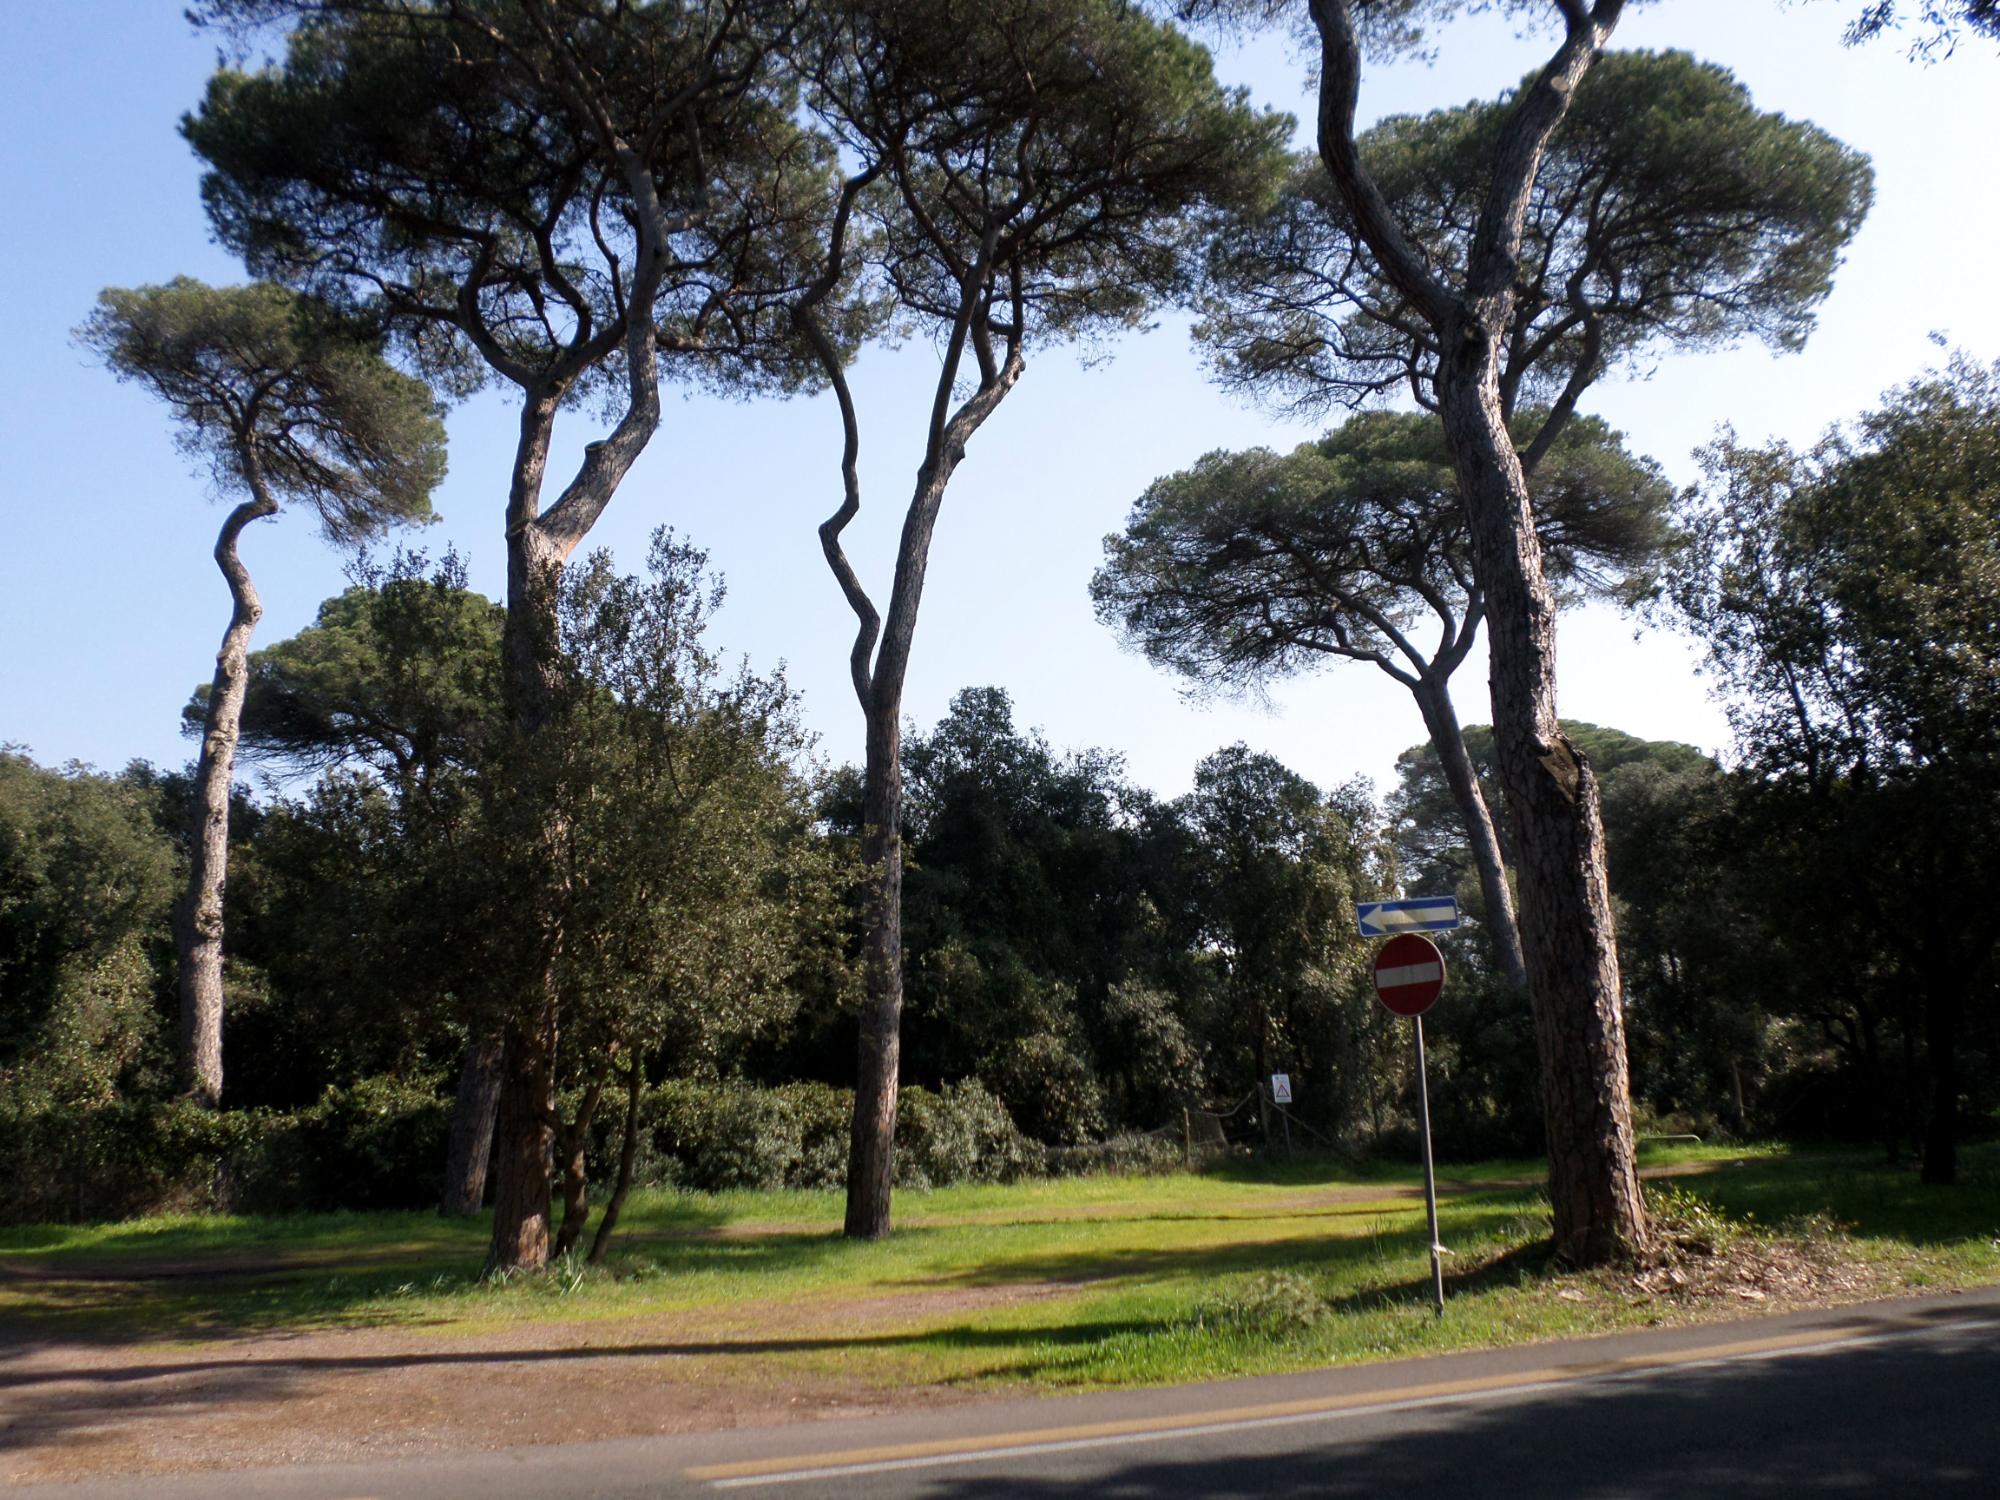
(1409, 973)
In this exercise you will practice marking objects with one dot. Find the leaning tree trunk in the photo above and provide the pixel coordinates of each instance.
(470, 1143)
(628, 1153)
(199, 916)
(1441, 719)
(1569, 946)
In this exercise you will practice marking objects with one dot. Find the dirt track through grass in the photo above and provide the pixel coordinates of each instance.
(199, 1342)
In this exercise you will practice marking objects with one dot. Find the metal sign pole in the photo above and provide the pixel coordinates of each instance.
(1430, 1175)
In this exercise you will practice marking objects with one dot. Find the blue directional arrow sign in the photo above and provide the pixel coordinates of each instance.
(1418, 914)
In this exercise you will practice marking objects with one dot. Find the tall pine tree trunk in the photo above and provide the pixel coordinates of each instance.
(1569, 946)
(198, 918)
(525, 1135)
(871, 1169)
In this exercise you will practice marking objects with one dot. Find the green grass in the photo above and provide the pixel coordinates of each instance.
(1084, 1282)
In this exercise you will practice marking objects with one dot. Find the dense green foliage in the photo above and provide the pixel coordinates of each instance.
(282, 395)
(1667, 210)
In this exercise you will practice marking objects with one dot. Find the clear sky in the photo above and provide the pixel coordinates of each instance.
(111, 607)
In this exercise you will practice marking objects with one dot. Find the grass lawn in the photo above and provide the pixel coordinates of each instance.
(1086, 1282)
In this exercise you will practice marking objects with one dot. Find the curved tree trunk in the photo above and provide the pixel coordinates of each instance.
(471, 1141)
(1441, 719)
(1570, 947)
(198, 918)
(628, 1153)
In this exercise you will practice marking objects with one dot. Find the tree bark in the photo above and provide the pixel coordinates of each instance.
(198, 925)
(1441, 719)
(871, 1157)
(526, 1133)
(1570, 946)
(472, 1117)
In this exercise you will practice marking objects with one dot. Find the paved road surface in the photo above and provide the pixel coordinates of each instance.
(1897, 1398)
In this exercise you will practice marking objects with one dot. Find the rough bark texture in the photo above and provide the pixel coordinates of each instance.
(1441, 720)
(871, 1162)
(470, 1144)
(198, 919)
(878, 675)
(525, 1141)
(1570, 948)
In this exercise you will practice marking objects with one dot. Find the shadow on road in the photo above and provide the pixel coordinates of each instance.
(1906, 1417)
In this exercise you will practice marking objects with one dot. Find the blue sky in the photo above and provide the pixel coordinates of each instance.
(111, 606)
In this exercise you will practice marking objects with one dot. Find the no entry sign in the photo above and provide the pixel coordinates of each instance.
(1409, 973)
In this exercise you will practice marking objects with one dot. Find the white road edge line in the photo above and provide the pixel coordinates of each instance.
(1247, 1424)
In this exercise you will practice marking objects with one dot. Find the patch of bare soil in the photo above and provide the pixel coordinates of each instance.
(74, 1410)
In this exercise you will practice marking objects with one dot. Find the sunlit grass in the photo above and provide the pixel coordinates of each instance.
(1082, 1282)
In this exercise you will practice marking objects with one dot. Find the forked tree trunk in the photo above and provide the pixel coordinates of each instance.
(470, 1144)
(1569, 945)
(198, 917)
(1441, 719)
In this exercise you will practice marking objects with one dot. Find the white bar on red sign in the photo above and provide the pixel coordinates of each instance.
(1407, 974)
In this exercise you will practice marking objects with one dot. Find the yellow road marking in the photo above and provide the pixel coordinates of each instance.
(1279, 1410)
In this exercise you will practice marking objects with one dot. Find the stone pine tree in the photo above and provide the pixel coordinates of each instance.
(285, 402)
(1251, 566)
(1441, 284)
(1665, 208)
(1023, 172)
(563, 199)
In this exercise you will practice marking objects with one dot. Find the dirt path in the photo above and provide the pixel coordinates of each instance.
(70, 1410)
(72, 1407)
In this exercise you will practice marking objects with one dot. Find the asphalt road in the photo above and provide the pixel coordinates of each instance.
(1898, 1398)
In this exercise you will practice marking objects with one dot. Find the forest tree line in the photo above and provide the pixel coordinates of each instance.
(1086, 960)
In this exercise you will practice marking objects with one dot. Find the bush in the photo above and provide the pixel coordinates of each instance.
(713, 1136)
(379, 1143)
(961, 1134)
(1276, 1305)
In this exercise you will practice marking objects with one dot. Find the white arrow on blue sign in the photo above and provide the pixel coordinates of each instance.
(1419, 914)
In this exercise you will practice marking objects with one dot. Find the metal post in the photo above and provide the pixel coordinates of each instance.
(1430, 1175)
